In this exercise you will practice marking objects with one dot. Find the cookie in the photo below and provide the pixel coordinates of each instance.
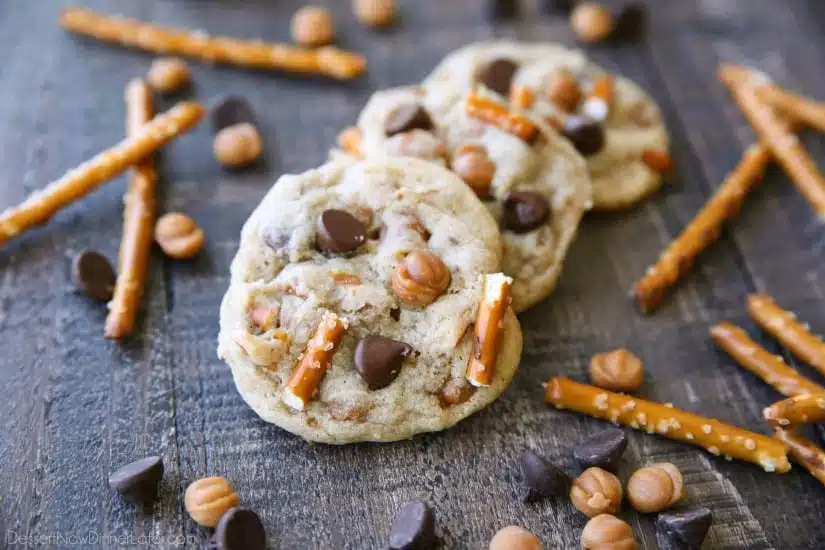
(610, 120)
(366, 279)
(536, 188)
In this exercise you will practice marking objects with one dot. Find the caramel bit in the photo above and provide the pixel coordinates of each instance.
(596, 492)
(420, 278)
(238, 145)
(606, 532)
(347, 412)
(476, 169)
(617, 370)
(345, 278)
(565, 91)
(592, 22)
(207, 499)
(658, 161)
(312, 26)
(455, 391)
(168, 75)
(655, 488)
(375, 13)
(178, 235)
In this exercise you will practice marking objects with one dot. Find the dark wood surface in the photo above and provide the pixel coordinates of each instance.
(75, 406)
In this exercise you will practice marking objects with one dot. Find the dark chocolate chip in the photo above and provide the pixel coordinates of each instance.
(602, 450)
(395, 313)
(586, 135)
(683, 529)
(229, 111)
(138, 481)
(631, 23)
(407, 117)
(339, 231)
(556, 7)
(542, 479)
(525, 211)
(413, 527)
(498, 75)
(239, 529)
(378, 360)
(501, 9)
(94, 275)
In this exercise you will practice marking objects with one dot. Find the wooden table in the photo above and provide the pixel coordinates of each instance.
(75, 406)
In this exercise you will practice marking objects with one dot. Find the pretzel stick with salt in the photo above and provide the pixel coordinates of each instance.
(777, 137)
(712, 435)
(327, 61)
(305, 380)
(793, 105)
(82, 180)
(784, 326)
(804, 453)
(795, 411)
(138, 220)
(702, 230)
(488, 111)
(753, 357)
(487, 329)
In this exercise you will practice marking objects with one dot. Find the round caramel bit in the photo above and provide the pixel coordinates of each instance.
(591, 21)
(207, 499)
(606, 532)
(617, 370)
(374, 13)
(596, 492)
(312, 26)
(178, 235)
(655, 488)
(168, 75)
(476, 169)
(514, 537)
(455, 391)
(238, 145)
(420, 278)
(565, 91)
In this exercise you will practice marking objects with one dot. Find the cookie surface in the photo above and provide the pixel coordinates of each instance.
(282, 286)
(632, 123)
(537, 191)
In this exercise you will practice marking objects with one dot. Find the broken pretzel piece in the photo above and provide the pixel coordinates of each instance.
(87, 177)
(784, 326)
(487, 329)
(804, 453)
(702, 230)
(327, 61)
(521, 96)
(306, 379)
(487, 110)
(753, 357)
(795, 106)
(795, 411)
(712, 435)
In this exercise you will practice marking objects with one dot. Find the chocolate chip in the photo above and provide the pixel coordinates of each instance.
(395, 313)
(498, 75)
(501, 9)
(138, 481)
(378, 360)
(602, 450)
(229, 111)
(339, 231)
(631, 23)
(94, 275)
(543, 480)
(239, 529)
(553, 7)
(413, 527)
(407, 117)
(525, 211)
(586, 135)
(683, 529)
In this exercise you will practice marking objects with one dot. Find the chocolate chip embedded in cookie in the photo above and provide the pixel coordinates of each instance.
(378, 360)
(498, 75)
(586, 135)
(407, 117)
(338, 231)
(524, 211)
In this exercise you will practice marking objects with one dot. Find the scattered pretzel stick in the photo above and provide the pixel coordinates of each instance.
(487, 110)
(793, 105)
(84, 179)
(487, 329)
(138, 220)
(753, 357)
(783, 326)
(701, 230)
(351, 140)
(305, 380)
(712, 435)
(782, 142)
(795, 411)
(327, 61)
(804, 453)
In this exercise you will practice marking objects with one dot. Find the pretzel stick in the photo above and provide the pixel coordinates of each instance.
(487, 329)
(306, 379)
(138, 219)
(804, 453)
(87, 177)
(795, 411)
(793, 105)
(351, 140)
(753, 357)
(778, 138)
(701, 230)
(328, 61)
(487, 110)
(783, 326)
(712, 435)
